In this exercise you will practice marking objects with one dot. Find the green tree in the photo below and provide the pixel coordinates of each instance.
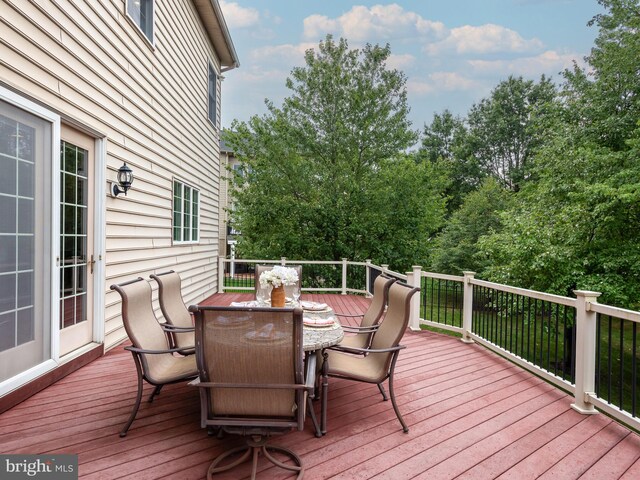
(504, 129)
(456, 247)
(444, 144)
(604, 101)
(578, 225)
(326, 177)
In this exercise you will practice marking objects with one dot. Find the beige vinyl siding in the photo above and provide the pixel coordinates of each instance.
(89, 63)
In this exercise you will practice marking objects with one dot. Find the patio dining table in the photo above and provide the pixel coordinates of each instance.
(321, 328)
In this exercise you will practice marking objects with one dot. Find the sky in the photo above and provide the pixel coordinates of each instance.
(453, 52)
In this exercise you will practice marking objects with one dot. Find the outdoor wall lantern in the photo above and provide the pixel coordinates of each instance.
(125, 179)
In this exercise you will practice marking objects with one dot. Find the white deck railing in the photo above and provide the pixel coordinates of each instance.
(585, 304)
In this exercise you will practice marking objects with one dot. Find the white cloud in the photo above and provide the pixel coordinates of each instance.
(549, 62)
(441, 82)
(488, 38)
(237, 16)
(288, 53)
(379, 22)
(400, 61)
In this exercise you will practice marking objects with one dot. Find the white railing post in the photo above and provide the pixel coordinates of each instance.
(467, 307)
(585, 351)
(384, 267)
(367, 274)
(344, 276)
(414, 278)
(220, 274)
(283, 261)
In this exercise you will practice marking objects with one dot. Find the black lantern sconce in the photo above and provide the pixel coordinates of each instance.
(125, 179)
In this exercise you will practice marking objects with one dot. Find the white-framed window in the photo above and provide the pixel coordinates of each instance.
(213, 88)
(186, 213)
(141, 14)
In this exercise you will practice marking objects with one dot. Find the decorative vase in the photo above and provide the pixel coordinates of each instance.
(278, 297)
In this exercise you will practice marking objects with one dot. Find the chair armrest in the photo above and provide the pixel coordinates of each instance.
(265, 386)
(358, 350)
(154, 352)
(348, 315)
(371, 329)
(172, 328)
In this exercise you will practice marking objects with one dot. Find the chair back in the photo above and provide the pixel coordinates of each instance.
(142, 326)
(173, 308)
(394, 324)
(288, 289)
(379, 301)
(253, 358)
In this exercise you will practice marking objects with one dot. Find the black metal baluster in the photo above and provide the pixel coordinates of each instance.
(446, 299)
(423, 295)
(610, 360)
(634, 367)
(555, 355)
(431, 315)
(528, 326)
(535, 330)
(517, 324)
(621, 379)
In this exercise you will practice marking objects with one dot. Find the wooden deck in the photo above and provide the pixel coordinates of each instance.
(471, 415)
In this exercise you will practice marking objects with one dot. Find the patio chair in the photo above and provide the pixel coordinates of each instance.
(155, 360)
(262, 292)
(370, 320)
(251, 381)
(376, 363)
(179, 322)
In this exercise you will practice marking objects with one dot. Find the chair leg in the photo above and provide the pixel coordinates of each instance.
(384, 394)
(123, 432)
(325, 392)
(314, 420)
(405, 429)
(253, 449)
(213, 468)
(156, 391)
(297, 467)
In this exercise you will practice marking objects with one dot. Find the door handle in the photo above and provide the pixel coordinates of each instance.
(91, 263)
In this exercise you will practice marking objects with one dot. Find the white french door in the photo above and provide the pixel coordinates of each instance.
(77, 257)
(27, 139)
(49, 182)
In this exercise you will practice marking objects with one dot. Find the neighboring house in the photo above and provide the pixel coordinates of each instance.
(86, 87)
(228, 163)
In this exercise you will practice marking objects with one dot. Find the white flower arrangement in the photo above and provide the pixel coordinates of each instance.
(279, 276)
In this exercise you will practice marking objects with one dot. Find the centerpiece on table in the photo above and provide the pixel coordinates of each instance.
(278, 277)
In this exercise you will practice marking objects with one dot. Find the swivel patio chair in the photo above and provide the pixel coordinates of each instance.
(370, 320)
(179, 322)
(262, 292)
(155, 361)
(376, 363)
(251, 380)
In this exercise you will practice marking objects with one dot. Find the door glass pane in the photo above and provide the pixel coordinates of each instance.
(7, 331)
(7, 254)
(8, 218)
(8, 167)
(73, 229)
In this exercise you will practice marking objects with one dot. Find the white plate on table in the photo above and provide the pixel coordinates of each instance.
(315, 307)
(318, 323)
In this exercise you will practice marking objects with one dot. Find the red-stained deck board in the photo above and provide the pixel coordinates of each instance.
(471, 415)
